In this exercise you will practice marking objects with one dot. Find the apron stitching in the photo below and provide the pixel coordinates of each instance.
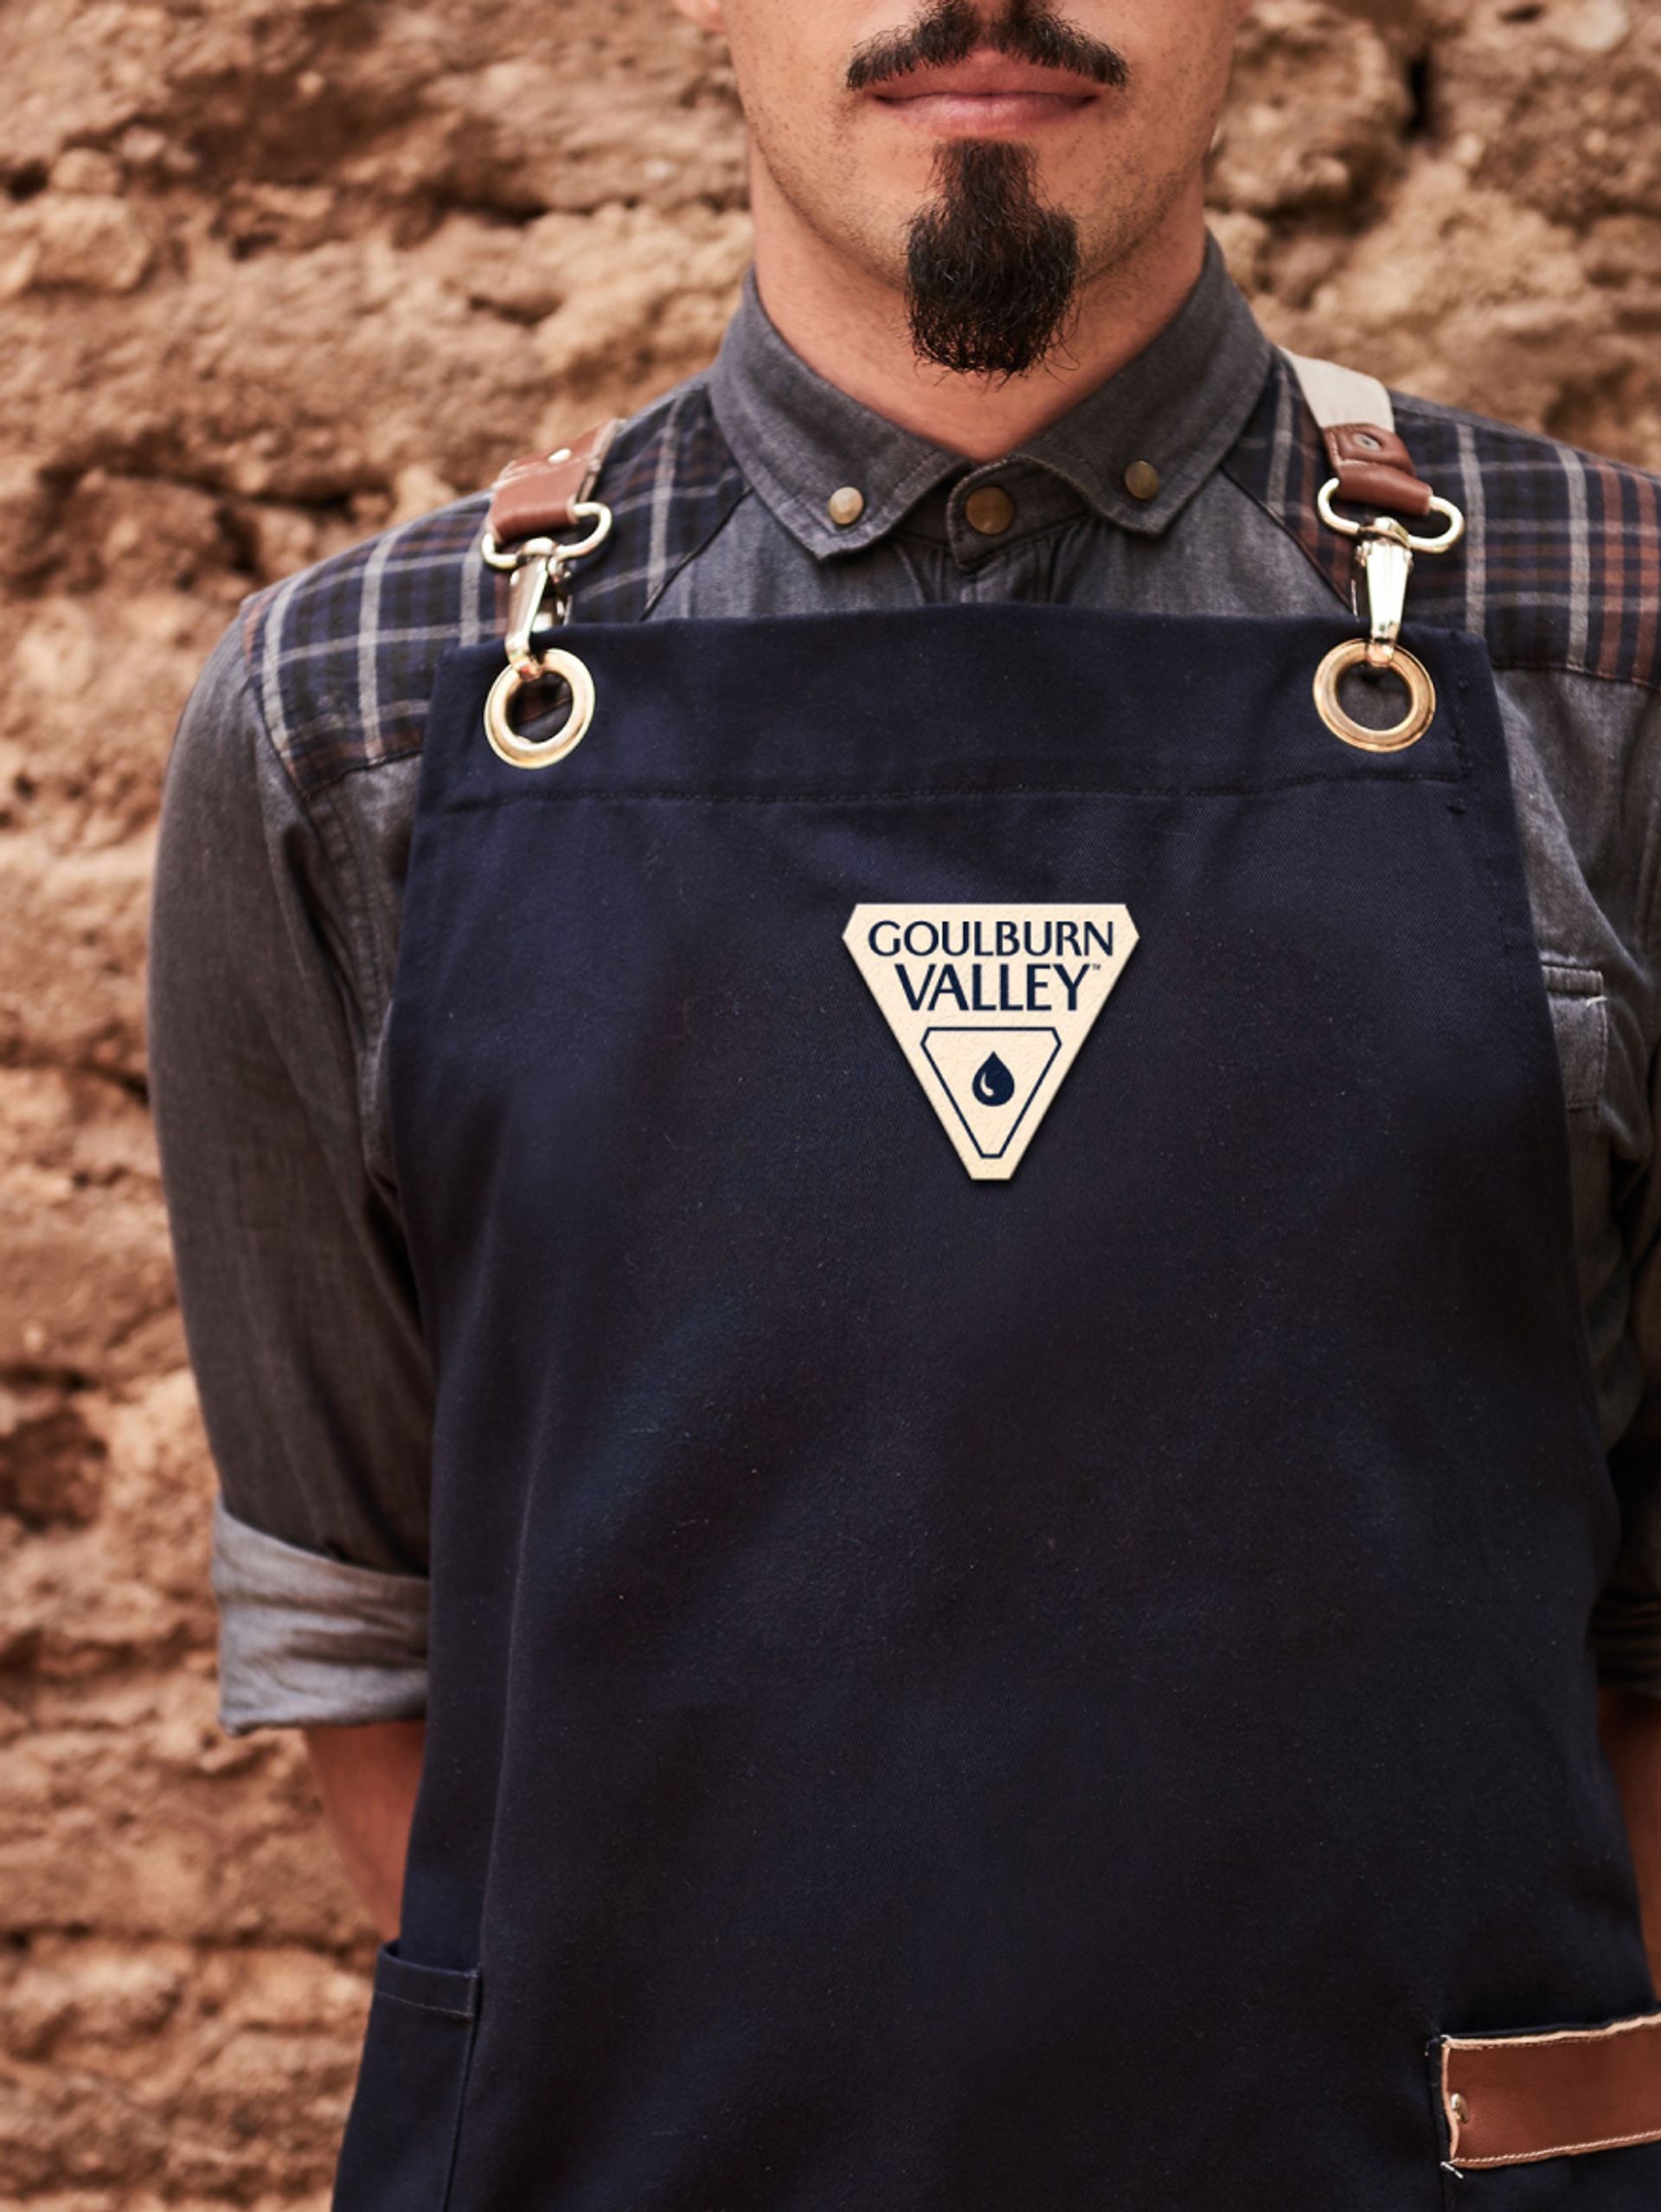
(486, 803)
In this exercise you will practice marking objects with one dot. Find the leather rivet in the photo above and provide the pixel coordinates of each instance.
(846, 506)
(1461, 2110)
(1142, 480)
(1367, 442)
(564, 454)
(990, 510)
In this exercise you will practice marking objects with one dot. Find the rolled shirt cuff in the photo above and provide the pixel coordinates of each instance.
(309, 1642)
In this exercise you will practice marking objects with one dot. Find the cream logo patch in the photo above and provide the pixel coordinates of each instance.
(989, 1005)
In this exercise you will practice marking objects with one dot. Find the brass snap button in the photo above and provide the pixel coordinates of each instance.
(990, 510)
(1142, 480)
(846, 506)
(1461, 2110)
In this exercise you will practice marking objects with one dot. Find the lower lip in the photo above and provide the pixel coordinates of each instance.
(971, 113)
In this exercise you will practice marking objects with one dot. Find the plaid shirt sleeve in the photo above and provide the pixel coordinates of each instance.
(292, 1277)
(277, 886)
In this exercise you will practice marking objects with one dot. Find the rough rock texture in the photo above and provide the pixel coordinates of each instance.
(271, 273)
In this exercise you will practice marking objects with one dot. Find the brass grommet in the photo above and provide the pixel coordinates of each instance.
(845, 506)
(526, 753)
(1142, 480)
(1422, 699)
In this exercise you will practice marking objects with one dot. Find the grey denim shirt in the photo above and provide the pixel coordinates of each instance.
(278, 897)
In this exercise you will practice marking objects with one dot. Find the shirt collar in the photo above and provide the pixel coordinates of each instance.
(1176, 408)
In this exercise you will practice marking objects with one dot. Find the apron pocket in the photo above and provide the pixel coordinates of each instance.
(401, 2139)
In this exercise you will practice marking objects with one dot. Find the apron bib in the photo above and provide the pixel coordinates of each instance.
(963, 1691)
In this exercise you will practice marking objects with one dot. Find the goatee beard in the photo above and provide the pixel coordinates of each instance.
(990, 271)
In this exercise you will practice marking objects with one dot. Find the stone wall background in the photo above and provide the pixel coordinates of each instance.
(274, 273)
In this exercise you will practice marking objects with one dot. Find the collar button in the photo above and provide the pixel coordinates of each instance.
(990, 510)
(1142, 480)
(846, 506)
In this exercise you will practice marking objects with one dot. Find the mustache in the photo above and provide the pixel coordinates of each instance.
(950, 30)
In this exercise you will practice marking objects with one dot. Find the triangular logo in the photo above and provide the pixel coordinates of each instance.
(989, 1005)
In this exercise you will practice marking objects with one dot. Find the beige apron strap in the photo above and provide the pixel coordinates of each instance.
(1358, 424)
(1336, 396)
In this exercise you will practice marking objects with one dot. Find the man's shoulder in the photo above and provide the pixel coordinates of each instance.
(342, 656)
(1560, 566)
(1563, 548)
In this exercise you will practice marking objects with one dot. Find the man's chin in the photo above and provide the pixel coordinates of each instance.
(991, 271)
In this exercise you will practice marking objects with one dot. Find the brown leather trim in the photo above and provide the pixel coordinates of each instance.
(1368, 446)
(533, 495)
(1525, 2097)
(1374, 469)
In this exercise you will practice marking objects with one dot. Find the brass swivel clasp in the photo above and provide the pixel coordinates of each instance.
(1384, 555)
(539, 599)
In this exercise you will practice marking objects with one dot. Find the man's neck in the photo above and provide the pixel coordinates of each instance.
(852, 328)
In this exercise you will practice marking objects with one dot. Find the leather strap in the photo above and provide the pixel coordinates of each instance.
(1358, 424)
(1374, 469)
(1510, 2101)
(534, 496)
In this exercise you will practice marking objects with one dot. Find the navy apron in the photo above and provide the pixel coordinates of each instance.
(966, 1695)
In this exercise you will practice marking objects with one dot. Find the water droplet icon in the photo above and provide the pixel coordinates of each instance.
(993, 1086)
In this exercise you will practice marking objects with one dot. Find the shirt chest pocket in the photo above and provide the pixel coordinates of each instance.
(1580, 1022)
